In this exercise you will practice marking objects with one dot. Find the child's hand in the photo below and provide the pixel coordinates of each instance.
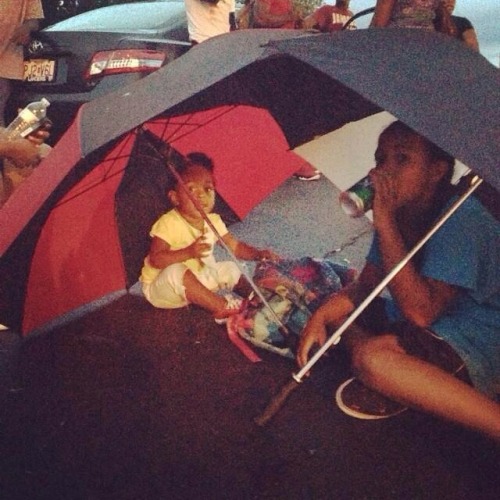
(389, 196)
(268, 255)
(200, 248)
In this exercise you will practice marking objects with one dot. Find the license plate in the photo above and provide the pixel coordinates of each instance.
(39, 70)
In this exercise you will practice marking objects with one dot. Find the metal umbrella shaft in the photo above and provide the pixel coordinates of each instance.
(335, 338)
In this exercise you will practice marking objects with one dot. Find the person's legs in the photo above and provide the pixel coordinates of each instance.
(177, 286)
(383, 365)
(199, 294)
(222, 306)
(226, 274)
(167, 290)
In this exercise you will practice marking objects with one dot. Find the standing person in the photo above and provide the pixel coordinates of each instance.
(328, 18)
(208, 18)
(443, 320)
(180, 268)
(18, 19)
(405, 14)
(462, 27)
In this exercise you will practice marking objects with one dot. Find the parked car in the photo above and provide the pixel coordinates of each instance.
(57, 10)
(97, 52)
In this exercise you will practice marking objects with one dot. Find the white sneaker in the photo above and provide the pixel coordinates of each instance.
(234, 305)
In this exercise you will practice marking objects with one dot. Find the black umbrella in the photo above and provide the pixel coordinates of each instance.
(313, 84)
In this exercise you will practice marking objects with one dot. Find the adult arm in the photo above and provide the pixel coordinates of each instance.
(25, 151)
(22, 35)
(20, 151)
(382, 15)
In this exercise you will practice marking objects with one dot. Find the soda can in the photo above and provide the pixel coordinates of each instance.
(358, 199)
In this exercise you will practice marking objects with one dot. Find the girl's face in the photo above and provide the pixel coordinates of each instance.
(200, 183)
(404, 158)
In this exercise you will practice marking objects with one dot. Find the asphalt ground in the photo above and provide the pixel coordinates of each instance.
(127, 401)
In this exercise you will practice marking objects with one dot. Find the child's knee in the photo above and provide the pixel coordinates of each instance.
(228, 274)
(370, 356)
(168, 290)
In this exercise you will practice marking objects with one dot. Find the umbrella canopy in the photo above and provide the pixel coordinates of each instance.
(94, 238)
(310, 84)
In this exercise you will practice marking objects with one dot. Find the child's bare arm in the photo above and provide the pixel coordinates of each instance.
(421, 299)
(245, 251)
(161, 255)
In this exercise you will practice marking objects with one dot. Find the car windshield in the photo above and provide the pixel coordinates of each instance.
(134, 16)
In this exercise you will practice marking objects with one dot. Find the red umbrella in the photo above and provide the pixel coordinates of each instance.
(95, 237)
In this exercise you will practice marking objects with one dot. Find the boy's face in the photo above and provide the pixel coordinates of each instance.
(200, 183)
(405, 158)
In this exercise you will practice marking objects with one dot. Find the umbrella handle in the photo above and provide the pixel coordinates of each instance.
(276, 403)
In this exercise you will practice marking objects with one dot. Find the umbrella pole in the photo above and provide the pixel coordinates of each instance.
(160, 147)
(278, 401)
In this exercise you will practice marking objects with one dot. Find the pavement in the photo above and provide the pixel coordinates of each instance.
(130, 402)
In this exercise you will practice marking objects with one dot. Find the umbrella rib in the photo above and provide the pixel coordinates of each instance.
(89, 187)
(106, 175)
(186, 122)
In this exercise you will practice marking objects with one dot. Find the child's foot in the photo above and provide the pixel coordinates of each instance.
(234, 305)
